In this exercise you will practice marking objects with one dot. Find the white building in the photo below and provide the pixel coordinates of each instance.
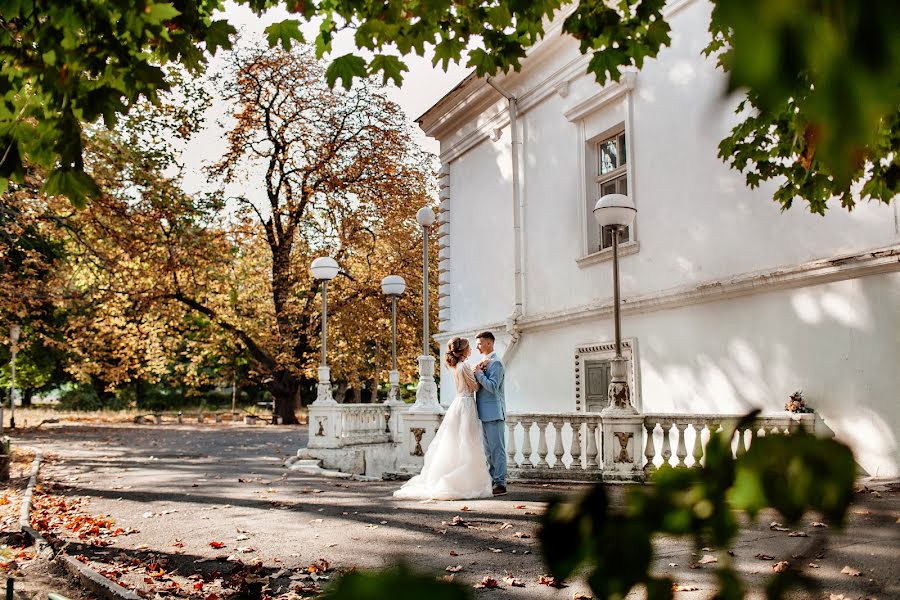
(728, 303)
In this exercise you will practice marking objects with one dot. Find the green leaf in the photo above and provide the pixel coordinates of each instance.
(76, 185)
(284, 32)
(390, 67)
(345, 68)
(218, 35)
(157, 12)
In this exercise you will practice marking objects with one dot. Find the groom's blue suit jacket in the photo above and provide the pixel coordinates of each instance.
(489, 399)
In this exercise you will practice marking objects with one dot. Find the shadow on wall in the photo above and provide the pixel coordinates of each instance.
(837, 342)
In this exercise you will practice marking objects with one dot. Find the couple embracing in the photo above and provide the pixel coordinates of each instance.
(467, 458)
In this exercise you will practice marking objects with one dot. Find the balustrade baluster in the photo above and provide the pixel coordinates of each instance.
(575, 450)
(741, 444)
(526, 444)
(591, 432)
(698, 445)
(666, 446)
(511, 443)
(650, 449)
(681, 452)
(558, 450)
(542, 444)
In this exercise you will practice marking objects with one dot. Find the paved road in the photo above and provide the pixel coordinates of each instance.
(199, 483)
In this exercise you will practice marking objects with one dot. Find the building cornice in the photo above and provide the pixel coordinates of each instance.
(836, 268)
(473, 96)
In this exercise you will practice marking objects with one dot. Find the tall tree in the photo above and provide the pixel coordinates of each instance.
(342, 177)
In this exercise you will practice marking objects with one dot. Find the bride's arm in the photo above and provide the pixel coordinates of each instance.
(469, 378)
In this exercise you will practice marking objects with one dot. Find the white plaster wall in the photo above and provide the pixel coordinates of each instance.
(481, 250)
(838, 342)
(697, 222)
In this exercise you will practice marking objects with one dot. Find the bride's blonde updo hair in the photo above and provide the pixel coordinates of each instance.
(456, 350)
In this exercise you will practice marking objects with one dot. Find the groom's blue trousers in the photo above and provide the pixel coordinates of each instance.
(495, 448)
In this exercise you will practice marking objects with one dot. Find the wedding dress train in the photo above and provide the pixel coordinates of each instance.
(455, 466)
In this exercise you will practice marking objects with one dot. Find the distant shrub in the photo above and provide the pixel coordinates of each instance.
(83, 397)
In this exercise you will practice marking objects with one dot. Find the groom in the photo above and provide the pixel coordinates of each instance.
(491, 405)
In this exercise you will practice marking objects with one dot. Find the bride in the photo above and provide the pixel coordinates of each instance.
(455, 463)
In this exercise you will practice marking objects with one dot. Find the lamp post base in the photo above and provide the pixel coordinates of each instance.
(394, 390)
(426, 392)
(323, 389)
(618, 392)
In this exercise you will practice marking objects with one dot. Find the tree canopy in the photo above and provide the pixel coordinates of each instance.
(835, 65)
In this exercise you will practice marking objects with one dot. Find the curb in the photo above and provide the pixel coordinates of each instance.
(89, 579)
(93, 581)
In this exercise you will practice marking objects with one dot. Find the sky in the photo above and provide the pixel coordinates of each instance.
(423, 85)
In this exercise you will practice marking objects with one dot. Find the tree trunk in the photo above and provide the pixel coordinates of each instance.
(285, 389)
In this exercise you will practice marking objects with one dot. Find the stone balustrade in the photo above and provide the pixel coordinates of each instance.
(547, 446)
(573, 437)
(663, 432)
(567, 446)
(340, 425)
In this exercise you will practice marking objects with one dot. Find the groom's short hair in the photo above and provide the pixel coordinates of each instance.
(485, 334)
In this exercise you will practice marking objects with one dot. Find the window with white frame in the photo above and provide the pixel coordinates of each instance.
(612, 178)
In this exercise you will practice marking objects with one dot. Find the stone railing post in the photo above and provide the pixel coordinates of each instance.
(325, 423)
(622, 444)
(416, 431)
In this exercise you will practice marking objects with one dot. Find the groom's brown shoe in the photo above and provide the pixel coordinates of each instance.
(500, 490)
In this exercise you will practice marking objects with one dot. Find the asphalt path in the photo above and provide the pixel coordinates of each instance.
(184, 486)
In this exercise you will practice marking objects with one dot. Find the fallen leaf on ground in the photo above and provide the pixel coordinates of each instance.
(512, 581)
(454, 568)
(520, 506)
(684, 588)
(813, 566)
(458, 521)
(762, 556)
(488, 583)
(246, 549)
(505, 526)
(495, 550)
(776, 526)
(550, 581)
(818, 524)
(465, 509)
(848, 570)
(454, 553)
(673, 564)
(216, 545)
(707, 559)
(798, 534)
(521, 534)
(582, 596)
(781, 567)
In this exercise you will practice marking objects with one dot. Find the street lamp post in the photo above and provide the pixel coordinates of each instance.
(14, 332)
(324, 269)
(393, 286)
(617, 212)
(426, 392)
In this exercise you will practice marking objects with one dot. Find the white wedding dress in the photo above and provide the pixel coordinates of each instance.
(456, 466)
